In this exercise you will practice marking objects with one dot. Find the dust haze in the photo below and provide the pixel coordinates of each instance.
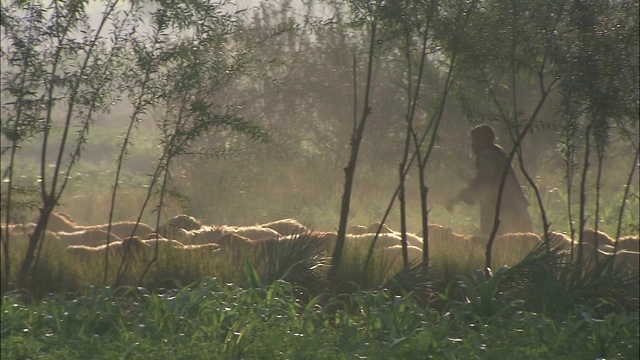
(302, 92)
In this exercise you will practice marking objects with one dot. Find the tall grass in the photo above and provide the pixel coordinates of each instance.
(216, 320)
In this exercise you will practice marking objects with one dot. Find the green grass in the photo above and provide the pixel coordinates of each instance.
(214, 320)
(537, 308)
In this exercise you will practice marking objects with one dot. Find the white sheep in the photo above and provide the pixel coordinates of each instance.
(286, 226)
(524, 241)
(178, 225)
(88, 237)
(61, 222)
(255, 233)
(394, 253)
(205, 235)
(622, 258)
(596, 238)
(125, 229)
(444, 237)
(631, 243)
(357, 230)
(373, 228)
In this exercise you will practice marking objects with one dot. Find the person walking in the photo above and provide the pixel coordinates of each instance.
(491, 160)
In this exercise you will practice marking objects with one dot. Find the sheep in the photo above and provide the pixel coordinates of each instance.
(412, 239)
(66, 216)
(200, 250)
(207, 247)
(255, 233)
(179, 224)
(326, 240)
(209, 234)
(440, 236)
(153, 236)
(186, 222)
(131, 248)
(236, 245)
(91, 253)
(514, 243)
(176, 234)
(631, 243)
(524, 241)
(125, 229)
(394, 253)
(286, 227)
(623, 258)
(596, 238)
(77, 235)
(21, 232)
(383, 240)
(357, 230)
(61, 222)
(591, 240)
(628, 258)
(205, 235)
(373, 228)
(560, 241)
(89, 237)
(164, 243)
(19, 228)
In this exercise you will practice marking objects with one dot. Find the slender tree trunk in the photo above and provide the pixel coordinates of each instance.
(583, 197)
(516, 145)
(140, 107)
(624, 199)
(356, 139)
(403, 217)
(600, 153)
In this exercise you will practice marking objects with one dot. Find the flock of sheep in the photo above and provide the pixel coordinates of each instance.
(186, 233)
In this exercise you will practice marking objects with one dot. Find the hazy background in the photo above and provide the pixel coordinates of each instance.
(301, 93)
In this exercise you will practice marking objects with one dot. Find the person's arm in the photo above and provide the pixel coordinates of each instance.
(488, 168)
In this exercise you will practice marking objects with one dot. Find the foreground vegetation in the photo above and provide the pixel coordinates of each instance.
(283, 307)
(214, 320)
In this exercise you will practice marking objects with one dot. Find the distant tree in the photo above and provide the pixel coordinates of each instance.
(64, 69)
(61, 72)
(566, 44)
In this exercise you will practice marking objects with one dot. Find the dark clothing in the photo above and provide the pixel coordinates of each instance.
(483, 189)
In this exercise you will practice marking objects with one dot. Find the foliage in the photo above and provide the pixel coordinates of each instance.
(482, 298)
(294, 260)
(270, 321)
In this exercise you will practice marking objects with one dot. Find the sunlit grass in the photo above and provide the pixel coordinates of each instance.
(247, 188)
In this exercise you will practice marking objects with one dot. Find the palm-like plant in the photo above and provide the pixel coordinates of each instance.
(295, 260)
(412, 280)
(549, 282)
(484, 296)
